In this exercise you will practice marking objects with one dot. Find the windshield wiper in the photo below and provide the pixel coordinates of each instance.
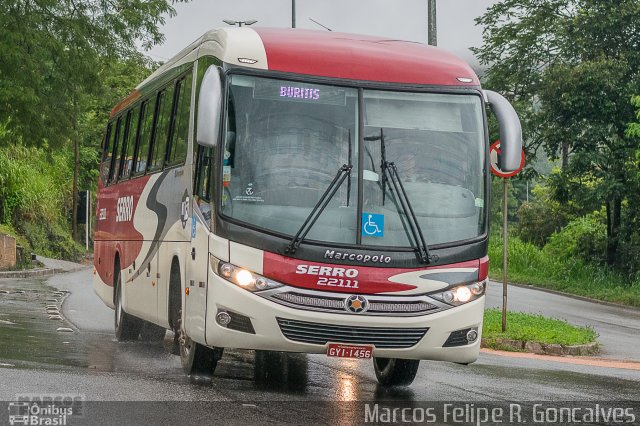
(390, 173)
(317, 210)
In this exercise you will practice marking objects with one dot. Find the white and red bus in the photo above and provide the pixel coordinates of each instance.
(302, 191)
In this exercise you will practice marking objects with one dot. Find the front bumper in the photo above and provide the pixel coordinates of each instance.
(263, 313)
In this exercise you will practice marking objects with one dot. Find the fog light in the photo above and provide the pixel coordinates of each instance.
(223, 319)
(472, 335)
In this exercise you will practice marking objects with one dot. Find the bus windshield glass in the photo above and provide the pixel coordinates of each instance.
(285, 141)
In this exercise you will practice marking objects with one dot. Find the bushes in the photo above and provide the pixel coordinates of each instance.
(33, 185)
(584, 238)
(539, 219)
(529, 264)
(51, 240)
(35, 198)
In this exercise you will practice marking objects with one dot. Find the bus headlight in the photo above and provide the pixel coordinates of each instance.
(461, 294)
(241, 277)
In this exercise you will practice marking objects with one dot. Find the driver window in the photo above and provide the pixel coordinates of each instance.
(202, 184)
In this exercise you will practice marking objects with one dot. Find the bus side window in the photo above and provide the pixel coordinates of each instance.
(115, 158)
(124, 135)
(130, 143)
(142, 147)
(122, 155)
(106, 154)
(177, 149)
(161, 129)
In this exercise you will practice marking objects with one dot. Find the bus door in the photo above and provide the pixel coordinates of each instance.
(198, 258)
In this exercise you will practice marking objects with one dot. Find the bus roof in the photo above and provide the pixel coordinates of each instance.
(326, 54)
(359, 57)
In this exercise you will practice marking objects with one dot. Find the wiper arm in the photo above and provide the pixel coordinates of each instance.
(317, 210)
(390, 173)
(383, 161)
(416, 231)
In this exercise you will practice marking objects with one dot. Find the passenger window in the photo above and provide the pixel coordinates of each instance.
(177, 150)
(130, 144)
(161, 129)
(142, 147)
(106, 154)
(115, 158)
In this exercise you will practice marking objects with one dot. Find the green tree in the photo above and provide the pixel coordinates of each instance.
(53, 56)
(571, 66)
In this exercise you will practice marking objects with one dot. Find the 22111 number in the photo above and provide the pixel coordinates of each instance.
(337, 282)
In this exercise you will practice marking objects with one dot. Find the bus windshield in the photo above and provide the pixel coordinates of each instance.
(285, 140)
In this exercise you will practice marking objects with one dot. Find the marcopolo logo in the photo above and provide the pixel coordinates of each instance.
(124, 209)
(50, 409)
(363, 258)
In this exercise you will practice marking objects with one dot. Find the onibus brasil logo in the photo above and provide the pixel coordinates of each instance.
(45, 410)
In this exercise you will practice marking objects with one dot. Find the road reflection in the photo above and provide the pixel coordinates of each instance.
(30, 338)
(280, 371)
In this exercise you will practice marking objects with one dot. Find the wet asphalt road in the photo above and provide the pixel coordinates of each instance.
(618, 327)
(77, 353)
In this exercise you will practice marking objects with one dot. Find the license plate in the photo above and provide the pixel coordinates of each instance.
(349, 351)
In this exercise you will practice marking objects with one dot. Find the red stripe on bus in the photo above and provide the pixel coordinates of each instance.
(370, 279)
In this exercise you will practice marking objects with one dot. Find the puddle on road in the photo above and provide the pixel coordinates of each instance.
(34, 334)
(28, 326)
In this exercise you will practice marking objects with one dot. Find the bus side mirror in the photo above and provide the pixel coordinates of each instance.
(209, 108)
(510, 131)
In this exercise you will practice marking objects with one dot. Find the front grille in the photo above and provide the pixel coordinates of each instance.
(320, 334)
(329, 303)
(378, 305)
(409, 307)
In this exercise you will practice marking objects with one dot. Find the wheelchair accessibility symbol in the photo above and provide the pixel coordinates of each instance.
(372, 225)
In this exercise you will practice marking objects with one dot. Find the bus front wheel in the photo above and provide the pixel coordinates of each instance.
(197, 359)
(394, 371)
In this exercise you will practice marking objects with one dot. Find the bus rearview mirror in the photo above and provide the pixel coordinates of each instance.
(209, 108)
(510, 131)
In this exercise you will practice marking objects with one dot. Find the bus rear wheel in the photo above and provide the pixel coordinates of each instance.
(394, 371)
(127, 327)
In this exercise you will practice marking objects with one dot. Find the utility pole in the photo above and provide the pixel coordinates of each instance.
(293, 13)
(432, 27)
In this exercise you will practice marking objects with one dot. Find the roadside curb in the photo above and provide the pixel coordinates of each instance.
(30, 273)
(592, 348)
(37, 272)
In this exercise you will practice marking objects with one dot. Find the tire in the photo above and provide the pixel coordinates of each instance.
(394, 371)
(175, 306)
(127, 327)
(197, 359)
(152, 333)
